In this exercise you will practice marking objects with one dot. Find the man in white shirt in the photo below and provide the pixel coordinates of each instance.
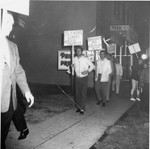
(82, 66)
(112, 76)
(119, 73)
(102, 78)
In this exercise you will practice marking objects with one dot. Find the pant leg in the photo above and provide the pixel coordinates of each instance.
(5, 124)
(117, 84)
(104, 87)
(109, 88)
(19, 119)
(144, 104)
(84, 91)
(98, 89)
(113, 85)
(78, 93)
(81, 92)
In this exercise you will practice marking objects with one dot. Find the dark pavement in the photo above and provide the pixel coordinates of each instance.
(69, 130)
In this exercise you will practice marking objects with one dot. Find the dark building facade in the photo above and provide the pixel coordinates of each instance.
(42, 35)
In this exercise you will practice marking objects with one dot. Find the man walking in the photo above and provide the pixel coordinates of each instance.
(82, 67)
(102, 78)
(12, 74)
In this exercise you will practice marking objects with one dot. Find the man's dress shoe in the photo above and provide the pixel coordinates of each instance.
(82, 112)
(78, 110)
(23, 134)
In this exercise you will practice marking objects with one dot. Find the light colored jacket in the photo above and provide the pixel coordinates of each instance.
(103, 67)
(12, 74)
(119, 71)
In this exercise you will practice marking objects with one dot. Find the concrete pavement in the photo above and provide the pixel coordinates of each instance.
(69, 130)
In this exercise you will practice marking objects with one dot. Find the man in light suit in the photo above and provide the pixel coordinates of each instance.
(103, 68)
(12, 74)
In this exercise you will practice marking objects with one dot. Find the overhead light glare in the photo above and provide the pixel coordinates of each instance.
(144, 56)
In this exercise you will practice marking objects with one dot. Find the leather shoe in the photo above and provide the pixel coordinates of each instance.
(81, 111)
(99, 102)
(78, 110)
(23, 134)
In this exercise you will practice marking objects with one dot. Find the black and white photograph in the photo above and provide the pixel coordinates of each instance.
(74, 74)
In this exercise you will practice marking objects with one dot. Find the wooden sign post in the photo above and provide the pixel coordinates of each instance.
(95, 44)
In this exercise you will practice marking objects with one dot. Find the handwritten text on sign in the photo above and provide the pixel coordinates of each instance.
(64, 59)
(90, 54)
(111, 48)
(134, 48)
(73, 37)
(95, 43)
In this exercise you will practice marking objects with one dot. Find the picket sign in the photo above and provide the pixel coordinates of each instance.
(111, 48)
(73, 38)
(64, 59)
(94, 43)
(135, 48)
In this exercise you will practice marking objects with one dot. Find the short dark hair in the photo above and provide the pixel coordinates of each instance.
(103, 52)
(78, 47)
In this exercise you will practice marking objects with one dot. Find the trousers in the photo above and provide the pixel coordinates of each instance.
(81, 85)
(101, 89)
(17, 116)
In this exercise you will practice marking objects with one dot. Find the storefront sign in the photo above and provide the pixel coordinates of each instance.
(119, 27)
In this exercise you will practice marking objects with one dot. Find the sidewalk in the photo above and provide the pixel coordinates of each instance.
(69, 130)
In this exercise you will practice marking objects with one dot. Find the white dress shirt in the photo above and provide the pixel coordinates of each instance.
(82, 64)
(104, 68)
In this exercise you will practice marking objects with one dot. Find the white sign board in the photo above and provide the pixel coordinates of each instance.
(73, 37)
(111, 48)
(134, 48)
(64, 59)
(90, 54)
(95, 43)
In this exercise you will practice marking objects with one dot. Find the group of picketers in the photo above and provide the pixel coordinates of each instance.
(108, 75)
